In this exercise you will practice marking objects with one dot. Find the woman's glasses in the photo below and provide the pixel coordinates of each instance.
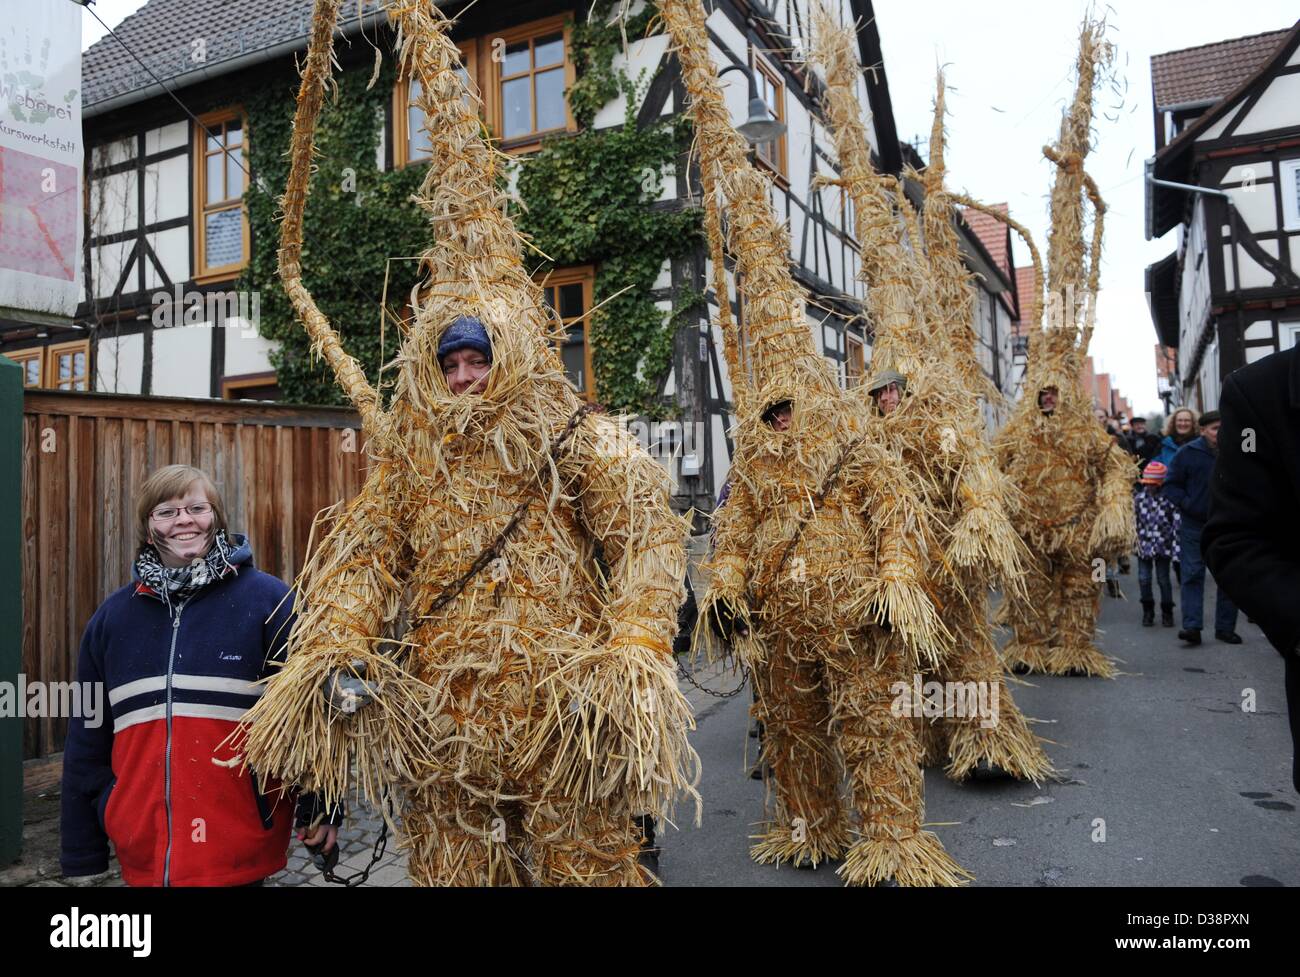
(169, 512)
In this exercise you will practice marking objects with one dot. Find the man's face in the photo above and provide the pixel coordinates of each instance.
(779, 417)
(1139, 427)
(466, 371)
(1047, 399)
(1211, 434)
(888, 397)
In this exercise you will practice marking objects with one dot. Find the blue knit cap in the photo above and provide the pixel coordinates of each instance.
(465, 333)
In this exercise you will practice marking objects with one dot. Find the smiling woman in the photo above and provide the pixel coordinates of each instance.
(180, 653)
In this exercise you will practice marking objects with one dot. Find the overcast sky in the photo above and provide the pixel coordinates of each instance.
(1009, 65)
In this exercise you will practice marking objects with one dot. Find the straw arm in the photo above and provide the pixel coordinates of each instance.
(622, 496)
(325, 340)
(348, 593)
(1114, 531)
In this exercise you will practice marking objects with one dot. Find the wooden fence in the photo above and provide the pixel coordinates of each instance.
(85, 455)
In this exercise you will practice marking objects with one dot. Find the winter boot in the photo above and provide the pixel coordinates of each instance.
(1148, 613)
(1166, 615)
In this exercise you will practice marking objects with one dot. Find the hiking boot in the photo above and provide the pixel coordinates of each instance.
(1148, 613)
(1191, 635)
(1228, 637)
(1166, 615)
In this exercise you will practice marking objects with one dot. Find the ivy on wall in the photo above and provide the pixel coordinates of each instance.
(586, 198)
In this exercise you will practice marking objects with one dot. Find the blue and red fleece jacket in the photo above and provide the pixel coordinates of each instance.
(153, 777)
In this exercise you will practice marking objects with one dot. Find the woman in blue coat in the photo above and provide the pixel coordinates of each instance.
(179, 652)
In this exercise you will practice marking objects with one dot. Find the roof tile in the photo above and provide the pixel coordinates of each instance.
(1209, 72)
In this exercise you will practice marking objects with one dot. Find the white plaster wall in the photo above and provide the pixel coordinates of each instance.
(182, 359)
(173, 250)
(1277, 108)
(640, 60)
(166, 189)
(119, 362)
(113, 204)
(246, 351)
(106, 264)
(171, 136)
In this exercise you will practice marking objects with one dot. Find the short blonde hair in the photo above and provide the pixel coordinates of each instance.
(1169, 424)
(168, 483)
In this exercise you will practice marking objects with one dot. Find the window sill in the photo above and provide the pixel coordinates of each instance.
(220, 275)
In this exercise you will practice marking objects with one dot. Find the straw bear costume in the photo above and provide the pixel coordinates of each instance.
(820, 545)
(525, 707)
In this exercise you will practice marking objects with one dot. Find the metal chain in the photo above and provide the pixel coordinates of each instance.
(356, 878)
(744, 680)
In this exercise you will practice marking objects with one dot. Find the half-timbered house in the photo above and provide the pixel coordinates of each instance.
(167, 227)
(1226, 173)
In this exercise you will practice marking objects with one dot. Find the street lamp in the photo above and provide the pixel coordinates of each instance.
(760, 127)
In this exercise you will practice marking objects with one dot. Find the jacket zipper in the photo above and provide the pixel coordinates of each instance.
(167, 768)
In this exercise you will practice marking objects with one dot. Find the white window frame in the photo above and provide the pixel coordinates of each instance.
(1288, 171)
(1288, 333)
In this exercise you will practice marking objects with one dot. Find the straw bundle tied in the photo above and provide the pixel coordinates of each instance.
(937, 428)
(1075, 478)
(823, 536)
(538, 691)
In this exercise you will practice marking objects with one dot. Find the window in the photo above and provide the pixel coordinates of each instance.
(67, 366)
(568, 292)
(771, 154)
(1289, 171)
(410, 141)
(30, 360)
(1287, 334)
(855, 360)
(63, 366)
(220, 179)
(251, 386)
(531, 72)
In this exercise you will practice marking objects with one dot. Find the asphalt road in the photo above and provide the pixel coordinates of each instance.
(1192, 790)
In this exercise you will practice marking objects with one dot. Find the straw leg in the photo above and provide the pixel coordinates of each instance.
(585, 843)
(882, 754)
(1031, 617)
(982, 722)
(932, 738)
(810, 824)
(1076, 625)
(456, 839)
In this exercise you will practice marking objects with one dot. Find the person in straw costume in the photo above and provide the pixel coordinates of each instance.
(822, 546)
(1076, 480)
(521, 548)
(931, 416)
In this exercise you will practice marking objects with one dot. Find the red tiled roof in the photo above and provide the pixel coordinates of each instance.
(992, 234)
(1024, 288)
(1210, 71)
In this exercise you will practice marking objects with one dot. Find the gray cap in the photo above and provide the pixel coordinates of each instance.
(882, 380)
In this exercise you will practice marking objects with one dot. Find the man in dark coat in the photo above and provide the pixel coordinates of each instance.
(1252, 539)
(1187, 486)
(1141, 443)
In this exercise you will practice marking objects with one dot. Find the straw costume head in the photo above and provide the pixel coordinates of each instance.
(511, 674)
(937, 427)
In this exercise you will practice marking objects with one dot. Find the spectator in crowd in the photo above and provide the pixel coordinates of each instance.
(1157, 530)
(1142, 445)
(1188, 487)
(1252, 539)
(1179, 430)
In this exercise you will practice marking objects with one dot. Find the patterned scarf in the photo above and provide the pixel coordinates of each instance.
(178, 584)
